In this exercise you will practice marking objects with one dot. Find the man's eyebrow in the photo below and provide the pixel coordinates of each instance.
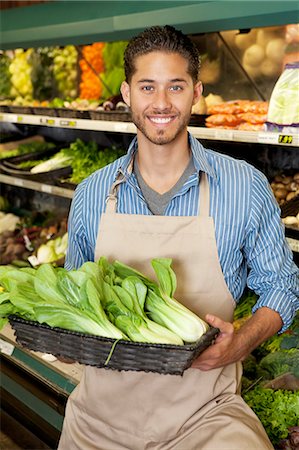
(174, 80)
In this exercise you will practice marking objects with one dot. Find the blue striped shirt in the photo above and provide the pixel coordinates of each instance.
(249, 233)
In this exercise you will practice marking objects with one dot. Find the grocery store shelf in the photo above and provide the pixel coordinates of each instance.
(80, 124)
(35, 186)
(256, 137)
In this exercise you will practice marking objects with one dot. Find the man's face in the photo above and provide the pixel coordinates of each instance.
(161, 94)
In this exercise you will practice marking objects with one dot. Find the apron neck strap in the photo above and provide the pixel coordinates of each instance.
(111, 199)
(204, 195)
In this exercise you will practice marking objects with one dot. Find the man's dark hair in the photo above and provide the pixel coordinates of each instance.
(165, 39)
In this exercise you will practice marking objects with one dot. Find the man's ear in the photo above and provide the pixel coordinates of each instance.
(197, 92)
(125, 92)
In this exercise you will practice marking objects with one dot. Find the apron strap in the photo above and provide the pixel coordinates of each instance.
(204, 196)
(111, 200)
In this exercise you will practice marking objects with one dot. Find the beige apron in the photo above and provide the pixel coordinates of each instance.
(112, 410)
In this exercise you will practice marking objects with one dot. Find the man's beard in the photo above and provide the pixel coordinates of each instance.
(160, 137)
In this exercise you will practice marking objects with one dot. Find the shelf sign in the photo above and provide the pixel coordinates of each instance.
(6, 348)
(47, 121)
(68, 123)
(294, 244)
(285, 139)
(19, 119)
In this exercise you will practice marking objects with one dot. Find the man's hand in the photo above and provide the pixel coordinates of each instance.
(232, 346)
(219, 354)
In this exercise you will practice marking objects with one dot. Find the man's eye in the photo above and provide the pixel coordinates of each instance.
(176, 88)
(147, 88)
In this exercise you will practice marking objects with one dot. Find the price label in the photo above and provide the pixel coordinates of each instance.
(33, 260)
(19, 119)
(267, 138)
(6, 348)
(224, 135)
(46, 188)
(294, 244)
(18, 182)
(1, 117)
(47, 121)
(285, 139)
(68, 123)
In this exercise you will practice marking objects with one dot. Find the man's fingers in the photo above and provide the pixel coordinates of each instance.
(214, 321)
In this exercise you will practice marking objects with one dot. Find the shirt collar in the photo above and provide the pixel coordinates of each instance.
(201, 162)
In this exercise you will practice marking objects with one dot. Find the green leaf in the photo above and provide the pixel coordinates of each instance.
(165, 274)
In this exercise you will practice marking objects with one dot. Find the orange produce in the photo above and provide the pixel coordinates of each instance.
(91, 64)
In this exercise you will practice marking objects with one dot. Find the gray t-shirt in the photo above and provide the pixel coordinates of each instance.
(156, 202)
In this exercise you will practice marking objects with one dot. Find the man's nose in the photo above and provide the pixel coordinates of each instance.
(161, 100)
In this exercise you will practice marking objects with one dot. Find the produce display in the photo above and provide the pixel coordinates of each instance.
(261, 51)
(24, 146)
(92, 68)
(42, 77)
(83, 158)
(26, 241)
(283, 113)
(65, 70)
(5, 84)
(238, 114)
(104, 299)
(270, 382)
(285, 187)
(20, 70)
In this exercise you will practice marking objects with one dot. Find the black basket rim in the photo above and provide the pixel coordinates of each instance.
(210, 333)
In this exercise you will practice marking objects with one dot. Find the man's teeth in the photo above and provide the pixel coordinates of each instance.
(161, 119)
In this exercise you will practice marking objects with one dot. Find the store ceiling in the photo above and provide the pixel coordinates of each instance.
(64, 22)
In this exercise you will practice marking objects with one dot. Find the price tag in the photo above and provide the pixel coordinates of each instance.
(68, 123)
(46, 188)
(1, 117)
(19, 119)
(294, 244)
(6, 348)
(18, 182)
(47, 121)
(267, 138)
(285, 139)
(120, 126)
(224, 135)
(33, 260)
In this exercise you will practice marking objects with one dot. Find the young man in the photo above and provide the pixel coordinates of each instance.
(217, 219)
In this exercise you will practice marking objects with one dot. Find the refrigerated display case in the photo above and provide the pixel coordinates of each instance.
(34, 386)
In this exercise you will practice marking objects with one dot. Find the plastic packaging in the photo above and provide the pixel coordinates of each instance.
(283, 112)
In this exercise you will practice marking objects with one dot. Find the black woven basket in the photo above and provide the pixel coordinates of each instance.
(44, 111)
(15, 109)
(9, 166)
(117, 116)
(94, 351)
(290, 208)
(68, 113)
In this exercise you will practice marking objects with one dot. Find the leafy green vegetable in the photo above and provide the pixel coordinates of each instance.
(58, 161)
(281, 362)
(47, 298)
(104, 299)
(161, 307)
(24, 149)
(123, 307)
(86, 158)
(277, 410)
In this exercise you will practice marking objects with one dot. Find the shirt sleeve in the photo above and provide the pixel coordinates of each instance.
(79, 249)
(273, 274)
